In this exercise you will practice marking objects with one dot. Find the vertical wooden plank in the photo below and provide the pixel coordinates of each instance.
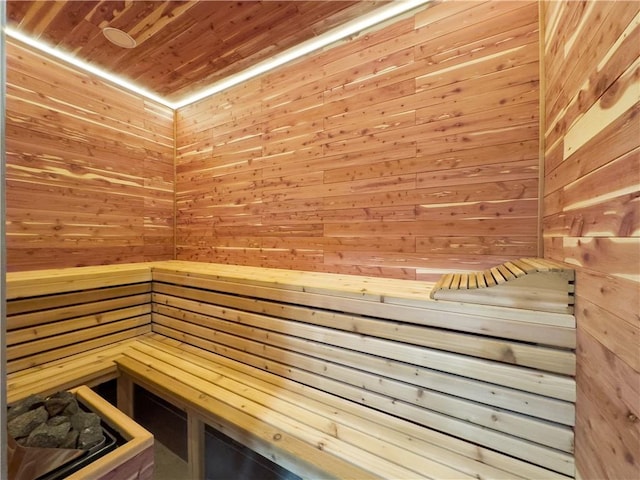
(124, 394)
(195, 446)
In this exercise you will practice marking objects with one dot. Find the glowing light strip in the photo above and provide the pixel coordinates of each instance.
(394, 9)
(43, 47)
(380, 15)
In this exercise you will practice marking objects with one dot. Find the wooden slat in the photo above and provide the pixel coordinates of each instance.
(322, 404)
(49, 302)
(536, 284)
(24, 350)
(423, 440)
(55, 281)
(294, 419)
(517, 324)
(66, 371)
(432, 401)
(74, 348)
(26, 320)
(560, 362)
(287, 450)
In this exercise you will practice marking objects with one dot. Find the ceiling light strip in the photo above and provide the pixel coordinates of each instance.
(65, 57)
(379, 15)
(395, 8)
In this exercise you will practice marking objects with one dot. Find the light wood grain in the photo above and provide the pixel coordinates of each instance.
(89, 168)
(246, 314)
(418, 129)
(590, 215)
(181, 48)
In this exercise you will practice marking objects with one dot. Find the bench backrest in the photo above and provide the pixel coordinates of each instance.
(59, 313)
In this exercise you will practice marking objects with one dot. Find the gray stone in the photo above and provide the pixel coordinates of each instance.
(90, 437)
(82, 420)
(71, 441)
(71, 409)
(30, 403)
(48, 436)
(58, 402)
(59, 420)
(24, 424)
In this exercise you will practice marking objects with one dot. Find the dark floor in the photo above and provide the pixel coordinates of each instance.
(168, 465)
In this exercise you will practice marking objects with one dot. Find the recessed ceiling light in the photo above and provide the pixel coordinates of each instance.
(118, 37)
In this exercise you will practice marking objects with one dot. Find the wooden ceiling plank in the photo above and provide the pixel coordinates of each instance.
(42, 16)
(17, 13)
(66, 20)
(106, 11)
(182, 46)
(160, 19)
(83, 33)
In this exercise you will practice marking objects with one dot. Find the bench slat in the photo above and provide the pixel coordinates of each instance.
(327, 434)
(450, 425)
(71, 338)
(83, 368)
(470, 458)
(292, 453)
(49, 302)
(550, 329)
(318, 322)
(54, 315)
(550, 385)
(34, 361)
(40, 332)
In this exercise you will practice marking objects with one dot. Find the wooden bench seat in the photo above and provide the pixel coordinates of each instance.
(332, 374)
(310, 432)
(89, 368)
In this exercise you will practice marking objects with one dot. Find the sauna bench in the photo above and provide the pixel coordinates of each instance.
(330, 375)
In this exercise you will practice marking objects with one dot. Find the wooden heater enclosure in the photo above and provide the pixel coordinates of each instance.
(457, 138)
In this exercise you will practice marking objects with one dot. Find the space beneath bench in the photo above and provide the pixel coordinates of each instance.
(329, 375)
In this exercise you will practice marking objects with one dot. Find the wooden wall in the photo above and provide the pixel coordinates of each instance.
(89, 168)
(410, 150)
(592, 219)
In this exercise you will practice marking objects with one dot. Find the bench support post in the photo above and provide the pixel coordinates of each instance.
(195, 446)
(125, 395)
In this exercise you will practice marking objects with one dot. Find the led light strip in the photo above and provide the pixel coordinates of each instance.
(394, 9)
(86, 66)
(353, 27)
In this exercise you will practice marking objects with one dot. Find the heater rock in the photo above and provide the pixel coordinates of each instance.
(24, 424)
(54, 422)
(48, 436)
(58, 402)
(71, 440)
(30, 403)
(90, 437)
(82, 420)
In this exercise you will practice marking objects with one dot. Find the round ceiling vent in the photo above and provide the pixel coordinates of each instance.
(118, 37)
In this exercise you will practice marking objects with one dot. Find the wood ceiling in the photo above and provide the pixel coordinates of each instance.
(183, 46)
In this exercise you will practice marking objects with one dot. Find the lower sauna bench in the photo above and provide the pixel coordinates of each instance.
(330, 376)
